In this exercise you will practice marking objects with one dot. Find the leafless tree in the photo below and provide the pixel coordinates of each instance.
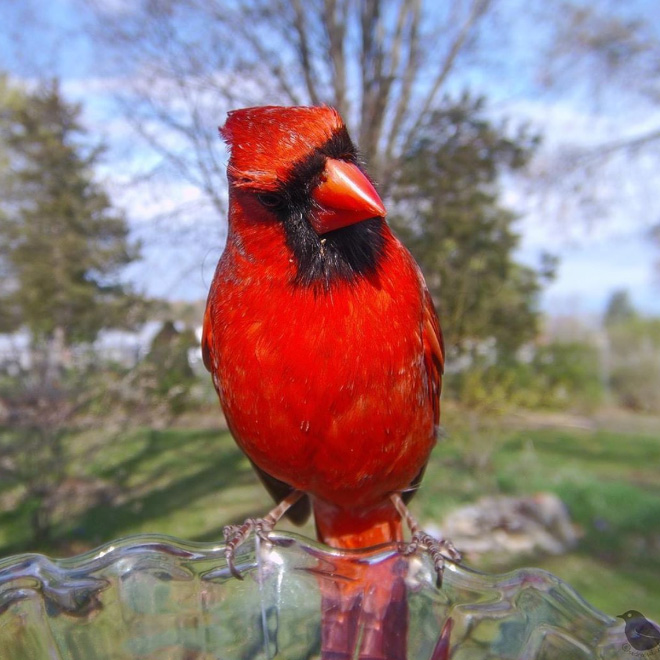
(382, 63)
(608, 55)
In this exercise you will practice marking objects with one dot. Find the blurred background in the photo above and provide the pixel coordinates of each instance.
(517, 146)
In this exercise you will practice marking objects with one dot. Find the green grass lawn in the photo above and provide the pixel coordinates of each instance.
(190, 483)
(610, 482)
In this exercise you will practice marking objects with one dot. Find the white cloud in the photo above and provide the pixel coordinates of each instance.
(595, 217)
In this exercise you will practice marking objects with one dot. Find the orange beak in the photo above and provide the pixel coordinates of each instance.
(344, 196)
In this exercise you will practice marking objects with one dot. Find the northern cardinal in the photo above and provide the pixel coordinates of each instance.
(321, 337)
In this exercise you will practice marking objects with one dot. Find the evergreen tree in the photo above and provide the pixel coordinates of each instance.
(448, 212)
(63, 243)
(62, 247)
(11, 98)
(619, 309)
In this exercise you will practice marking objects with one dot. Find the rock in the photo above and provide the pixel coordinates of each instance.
(539, 524)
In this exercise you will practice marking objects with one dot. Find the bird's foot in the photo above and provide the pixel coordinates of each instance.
(236, 535)
(440, 550)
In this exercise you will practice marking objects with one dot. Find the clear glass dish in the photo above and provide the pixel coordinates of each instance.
(159, 598)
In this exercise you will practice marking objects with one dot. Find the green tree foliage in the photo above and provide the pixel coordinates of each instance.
(167, 370)
(567, 374)
(63, 244)
(619, 309)
(635, 364)
(559, 376)
(633, 355)
(11, 99)
(447, 210)
(62, 247)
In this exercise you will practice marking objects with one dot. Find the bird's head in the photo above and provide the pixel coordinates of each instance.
(629, 615)
(297, 167)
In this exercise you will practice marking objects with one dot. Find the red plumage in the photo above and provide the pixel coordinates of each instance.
(325, 348)
(330, 387)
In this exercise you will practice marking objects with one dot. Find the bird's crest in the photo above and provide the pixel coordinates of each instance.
(265, 141)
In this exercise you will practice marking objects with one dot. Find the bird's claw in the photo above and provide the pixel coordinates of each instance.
(236, 535)
(440, 550)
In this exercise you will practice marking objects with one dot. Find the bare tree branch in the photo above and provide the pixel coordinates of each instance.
(302, 31)
(407, 80)
(386, 79)
(371, 72)
(363, 57)
(335, 20)
(267, 58)
(626, 144)
(477, 11)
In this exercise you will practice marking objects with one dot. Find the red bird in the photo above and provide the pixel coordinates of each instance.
(320, 334)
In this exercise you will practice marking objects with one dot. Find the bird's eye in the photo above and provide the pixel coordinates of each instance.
(270, 200)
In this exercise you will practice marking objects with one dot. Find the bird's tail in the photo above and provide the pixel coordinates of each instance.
(365, 614)
(364, 605)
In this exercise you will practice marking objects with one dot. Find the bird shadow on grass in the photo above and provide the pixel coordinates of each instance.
(175, 497)
(158, 478)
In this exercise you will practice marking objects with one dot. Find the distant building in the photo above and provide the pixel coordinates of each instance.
(123, 347)
(15, 352)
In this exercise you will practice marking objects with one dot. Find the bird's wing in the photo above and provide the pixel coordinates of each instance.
(434, 362)
(300, 511)
(648, 630)
(434, 352)
(278, 490)
(207, 339)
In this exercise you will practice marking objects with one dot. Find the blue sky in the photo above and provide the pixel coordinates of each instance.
(598, 254)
